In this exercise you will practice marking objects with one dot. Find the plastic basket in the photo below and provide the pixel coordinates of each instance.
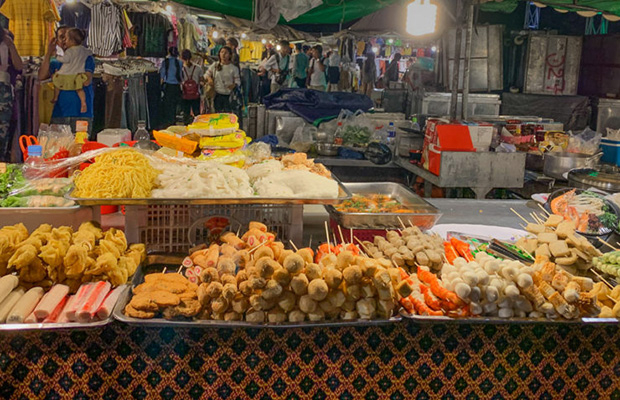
(177, 228)
(361, 234)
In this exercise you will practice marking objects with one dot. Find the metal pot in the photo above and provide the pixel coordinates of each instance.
(558, 164)
(327, 149)
(534, 162)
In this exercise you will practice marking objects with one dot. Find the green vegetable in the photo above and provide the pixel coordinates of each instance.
(10, 180)
(14, 201)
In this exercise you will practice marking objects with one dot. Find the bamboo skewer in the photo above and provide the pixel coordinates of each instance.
(257, 246)
(351, 235)
(543, 209)
(401, 223)
(179, 270)
(363, 246)
(329, 246)
(520, 216)
(293, 244)
(612, 299)
(601, 278)
(537, 219)
(607, 244)
(164, 270)
(310, 242)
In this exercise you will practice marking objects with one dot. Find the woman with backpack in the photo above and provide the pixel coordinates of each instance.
(224, 76)
(190, 87)
(170, 73)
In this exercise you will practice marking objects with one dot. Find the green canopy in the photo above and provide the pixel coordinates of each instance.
(604, 6)
(330, 12)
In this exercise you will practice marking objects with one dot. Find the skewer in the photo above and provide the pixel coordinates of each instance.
(257, 246)
(335, 241)
(341, 235)
(522, 226)
(612, 299)
(520, 216)
(402, 223)
(543, 209)
(310, 242)
(601, 278)
(363, 246)
(351, 235)
(179, 270)
(164, 271)
(526, 252)
(293, 244)
(607, 244)
(238, 230)
(329, 246)
(536, 219)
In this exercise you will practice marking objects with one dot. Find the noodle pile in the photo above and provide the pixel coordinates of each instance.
(117, 174)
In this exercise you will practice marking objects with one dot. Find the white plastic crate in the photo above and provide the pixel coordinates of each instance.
(177, 228)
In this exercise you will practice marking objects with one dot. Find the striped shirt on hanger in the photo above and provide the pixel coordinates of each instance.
(106, 29)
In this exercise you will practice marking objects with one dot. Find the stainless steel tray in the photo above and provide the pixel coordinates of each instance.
(29, 210)
(65, 325)
(343, 194)
(158, 262)
(499, 321)
(423, 214)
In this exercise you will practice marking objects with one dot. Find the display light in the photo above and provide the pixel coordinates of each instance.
(244, 35)
(278, 47)
(264, 41)
(215, 34)
(375, 50)
(169, 8)
(421, 17)
(390, 41)
(434, 49)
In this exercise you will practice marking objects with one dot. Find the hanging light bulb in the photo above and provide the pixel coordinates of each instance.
(278, 47)
(434, 49)
(421, 17)
(215, 34)
(244, 35)
(169, 8)
(375, 50)
(390, 41)
(264, 41)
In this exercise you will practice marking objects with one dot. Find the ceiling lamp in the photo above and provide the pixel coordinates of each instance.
(215, 34)
(421, 17)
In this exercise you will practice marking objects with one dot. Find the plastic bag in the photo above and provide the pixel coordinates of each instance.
(55, 138)
(303, 138)
(258, 152)
(586, 142)
(613, 134)
(356, 129)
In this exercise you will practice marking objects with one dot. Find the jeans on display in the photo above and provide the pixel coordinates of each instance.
(113, 101)
(138, 110)
(170, 103)
(221, 103)
(6, 115)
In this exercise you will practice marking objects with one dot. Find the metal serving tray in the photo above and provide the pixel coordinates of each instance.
(64, 325)
(497, 320)
(157, 262)
(343, 194)
(423, 214)
(28, 210)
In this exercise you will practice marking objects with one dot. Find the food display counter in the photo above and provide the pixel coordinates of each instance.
(297, 328)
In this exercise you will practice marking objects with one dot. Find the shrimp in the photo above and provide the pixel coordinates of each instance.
(429, 298)
(421, 308)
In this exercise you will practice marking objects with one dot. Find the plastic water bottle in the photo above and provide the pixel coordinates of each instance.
(414, 123)
(141, 133)
(34, 165)
(338, 138)
(391, 134)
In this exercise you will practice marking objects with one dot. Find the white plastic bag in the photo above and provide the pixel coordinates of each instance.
(586, 142)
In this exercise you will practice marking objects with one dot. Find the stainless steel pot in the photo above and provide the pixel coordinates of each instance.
(558, 164)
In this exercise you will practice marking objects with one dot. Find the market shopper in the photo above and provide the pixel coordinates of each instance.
(234, 47)
(190, 87)
(391, 73)
(10, 65)
(280, 77)
(67, 109)
(333, 71)
(171, 78)
(224, 76)
(369, 74)
(316, 71)
(300, 66)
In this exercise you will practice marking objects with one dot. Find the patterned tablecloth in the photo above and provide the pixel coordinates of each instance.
(402, 360)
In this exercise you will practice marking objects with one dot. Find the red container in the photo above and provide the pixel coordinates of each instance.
(108, 210)
(361, 234)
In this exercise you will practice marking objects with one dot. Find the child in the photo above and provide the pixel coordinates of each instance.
(72, 76)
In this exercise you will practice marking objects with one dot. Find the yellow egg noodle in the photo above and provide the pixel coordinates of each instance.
(124, 173)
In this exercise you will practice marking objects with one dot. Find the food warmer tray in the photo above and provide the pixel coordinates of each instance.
(30, 210)
(64, 325)
(423, 214)
(343, 194)
(509, 321)
(156, 262)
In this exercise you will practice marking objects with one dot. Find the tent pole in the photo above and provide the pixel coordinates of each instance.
(457, 64)
(468, 38)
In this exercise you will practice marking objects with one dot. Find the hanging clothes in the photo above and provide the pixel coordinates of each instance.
(76, 15)
(149, 35)
(188, 35)
(30, 21)
(106, 29)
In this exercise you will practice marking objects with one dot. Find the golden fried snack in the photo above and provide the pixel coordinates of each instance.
(134, 313)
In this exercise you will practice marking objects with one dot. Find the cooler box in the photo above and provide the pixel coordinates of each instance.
(449, 138)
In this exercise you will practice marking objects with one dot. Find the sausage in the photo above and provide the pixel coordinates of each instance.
(49, 302)
(7, 284)
(9, 302)
(25, 305)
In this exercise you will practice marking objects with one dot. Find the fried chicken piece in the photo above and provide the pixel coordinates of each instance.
(187, 308)
(163, 298)
(134, 313)
(144, 302)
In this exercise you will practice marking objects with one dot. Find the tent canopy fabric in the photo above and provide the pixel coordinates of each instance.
(330, 12)
(604, 6)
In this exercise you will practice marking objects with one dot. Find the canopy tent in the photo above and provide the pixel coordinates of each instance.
(330, 12)
(610, 9)
(277, 32)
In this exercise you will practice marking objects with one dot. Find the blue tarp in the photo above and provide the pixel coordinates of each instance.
(313, 105)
